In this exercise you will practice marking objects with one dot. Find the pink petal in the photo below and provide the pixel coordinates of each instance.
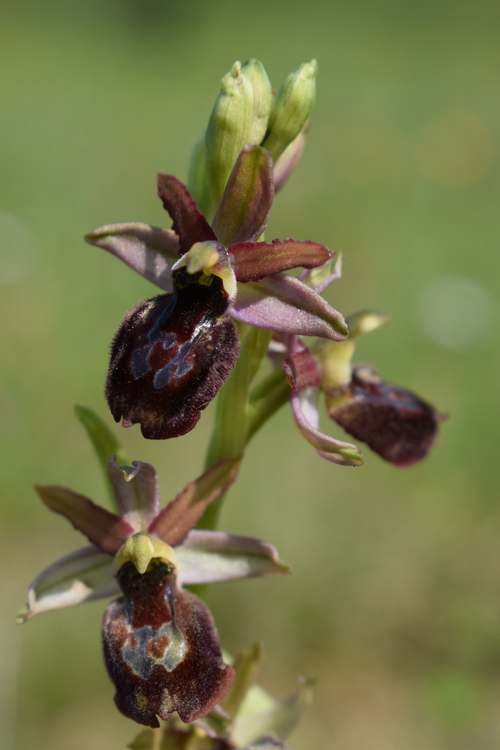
(80, 577)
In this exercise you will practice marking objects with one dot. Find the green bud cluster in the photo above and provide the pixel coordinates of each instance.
(246, 112)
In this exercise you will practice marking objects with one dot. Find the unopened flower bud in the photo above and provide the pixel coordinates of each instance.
(229, 128)
(262, 98)
(291, 108)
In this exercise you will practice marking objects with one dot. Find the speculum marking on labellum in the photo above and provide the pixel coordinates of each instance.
(161, 649)
(171, 355)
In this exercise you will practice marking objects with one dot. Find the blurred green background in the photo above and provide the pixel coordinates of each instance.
(394, 604)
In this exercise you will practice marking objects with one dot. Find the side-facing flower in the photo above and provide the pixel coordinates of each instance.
(160, 644)
(173, 352)
(394, 422)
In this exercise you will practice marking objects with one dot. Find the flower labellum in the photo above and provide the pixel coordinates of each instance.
(171, 355)
(160, 643)
(395, 423)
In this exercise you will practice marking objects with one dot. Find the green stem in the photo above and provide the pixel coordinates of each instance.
(265, 400)
(231, 422)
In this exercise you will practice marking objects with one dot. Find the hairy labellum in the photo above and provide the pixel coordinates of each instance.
(171, 356)
(161, 649)
(394, 422)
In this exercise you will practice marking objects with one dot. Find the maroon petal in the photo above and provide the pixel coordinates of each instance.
(302, 369)
(244, 208)
(176, 520)
(171, 356)
(395, 423)
(255, 260)
(161, 649)
(188, 221)
(104, 529)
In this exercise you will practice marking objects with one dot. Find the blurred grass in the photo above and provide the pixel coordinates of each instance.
(394, 601)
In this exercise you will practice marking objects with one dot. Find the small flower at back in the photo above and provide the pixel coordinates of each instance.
(397, 424)
(172, 353)
(160, 644)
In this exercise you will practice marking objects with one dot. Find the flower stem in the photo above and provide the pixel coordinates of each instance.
(231, 427)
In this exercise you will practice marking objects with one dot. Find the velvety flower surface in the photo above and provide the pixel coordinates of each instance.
(247, 718)
(160, 644)
(172, 353)
(395, 423)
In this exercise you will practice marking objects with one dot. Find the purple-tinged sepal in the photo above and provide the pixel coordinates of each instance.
(394, 422)
(80, 577)
(284, 304)
(285, 165)
(148, 250)
(161, 648)
(214, 556)
(171, 356)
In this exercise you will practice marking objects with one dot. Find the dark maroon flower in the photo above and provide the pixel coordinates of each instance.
(170, 357)
(161, 648)
(172, 353)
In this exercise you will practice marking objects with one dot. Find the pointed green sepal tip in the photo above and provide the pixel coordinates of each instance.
(23, 616)
(291, 108)
(140, 549)
(365, 321)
